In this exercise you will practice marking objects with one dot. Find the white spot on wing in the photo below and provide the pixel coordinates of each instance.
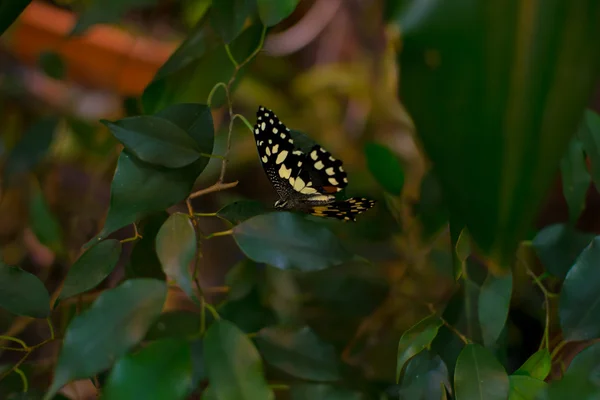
(268, 151)
(264, 159)
(314, 155)
(256, 131)
(274, 130)
(262, 126)
(308, 190)
(284, 172)
(281, 157)
(333, 181)
(319, 165)
(323, 150)
(282, 135)
(299, 163)
(329, 171)
(345, 180)
(275, 148)
(299, 184)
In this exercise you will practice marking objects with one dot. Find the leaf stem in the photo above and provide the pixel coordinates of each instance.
(135, 236)
(23, 378)
(244, 120)
(212, 311)
(214, 188)
(557, 349)
(50, 327)
(231, 58)
(213, 90)
(222, 233)
(14, 339)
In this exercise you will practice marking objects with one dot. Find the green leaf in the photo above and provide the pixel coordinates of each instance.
(52, 64)
(272, 12)
(241, 279)
(91, 268)
(579, 303)
(10, 11)
(569, 387)
(175, 324)
(232, 358)
(300, 353)
(105, 12)
(385, 167)
(44, 224)
(239, 211)
(524, 387)
(162, 370)
(494, 105)
(558, 246)
(288, 241)
(494, 301)
(589, 133)
(176, 248)
(228, 17)
(196, 67)
(575, 179)
(307, 391)
(23, 293)
(143, 261)
(415, 340)
(116, 321)
(155, 140)
(30, 149)
(425, 377)
(479, 375)
(537, 366)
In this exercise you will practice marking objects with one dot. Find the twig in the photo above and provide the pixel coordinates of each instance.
(214, 188)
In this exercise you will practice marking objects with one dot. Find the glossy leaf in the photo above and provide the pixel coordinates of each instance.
(307, 391)
(106, 11)
(272, 12)
(580, 296)
(425, 377)
(385, 167)
(569, 387)
(155, 140)
(10, 11)
(239, 211)
(479, 375)
(494, 105)
(52, 64)
(231, 357)
(23, 293)
(91, 268)
(116, 321)
(288, 241)
(586, 360)
(493, 305)
(537, 366)
(415, 340)
(524, 387)
(44, 224)
(161, 370)
(575, 179)
(176, 248)
(558, 246)
(300, 353)
(589, 133)
(228, 17)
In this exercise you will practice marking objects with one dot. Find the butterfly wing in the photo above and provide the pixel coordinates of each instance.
(324, 171)
(346, 210)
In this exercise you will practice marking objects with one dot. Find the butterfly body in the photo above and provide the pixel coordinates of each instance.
(305, 181)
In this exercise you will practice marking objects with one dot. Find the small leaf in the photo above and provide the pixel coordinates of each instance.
(52, 64)
(23, 293)
(272, 12)
(116, 321)
(494, 301)
(385, 167)
(523, 387)
(415, 340)
(176, 248)
(43, 223)
(105, 12)
(231, 357)
(579, 303)
(91, 268)
(575, 179)
(479, 375)
(288, 241)
(307, 391)
(10, 11)
(558, 246)
(155, 140)
(537, 366)
(300, 353)
(162, 370)
(228, 17)
(239, 211)
(425, 377)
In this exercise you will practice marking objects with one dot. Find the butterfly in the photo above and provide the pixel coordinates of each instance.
(305, 181)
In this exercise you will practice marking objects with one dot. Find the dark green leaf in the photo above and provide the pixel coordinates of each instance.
(288, 241)
(537, 366)
(494, 106)
(23, 293)
(31, 148)
(241, 279)
(306, 391)
(494, 301)
(43, 223)
(10, 11)
(431, 208)
(479, 375)
(239, 211)
(248, 313)
(228, 17)
(52, 64)
(587, 363)
(143, 262)
(300, 353)
(569, 387)
(177, 324)
(232, 358)
(425, 377)
(116, 321)
(415, 340)
(524, 387)
(91, 268)
(575, 179)
(176, 248)
(272, 12)
(106, 11)
(155, 140)
(589, 133)
(580, 296)
(162, 370)
(385, 167)
(558, 246)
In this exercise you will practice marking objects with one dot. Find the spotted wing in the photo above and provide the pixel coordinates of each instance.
(324, 171)
(346, 210)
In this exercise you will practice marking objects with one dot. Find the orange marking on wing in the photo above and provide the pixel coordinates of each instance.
(330, 189)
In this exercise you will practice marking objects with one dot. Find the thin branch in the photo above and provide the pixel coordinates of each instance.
(19, 372)
(214, 188)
